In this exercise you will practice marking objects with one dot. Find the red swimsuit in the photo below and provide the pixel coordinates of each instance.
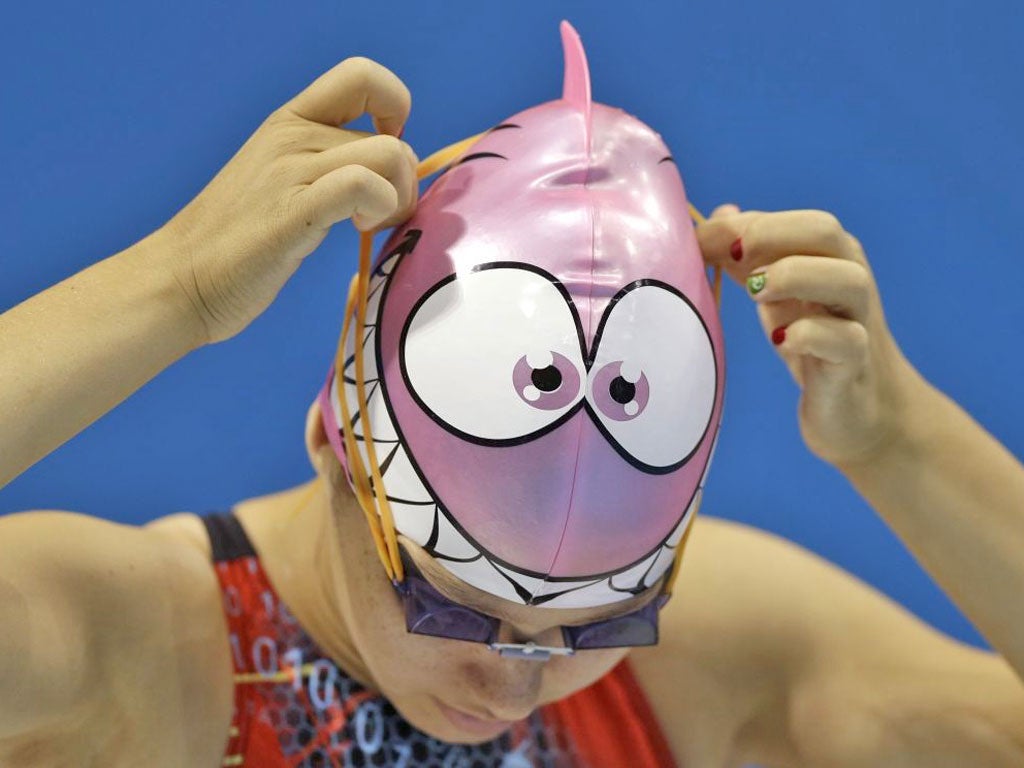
(295, 707)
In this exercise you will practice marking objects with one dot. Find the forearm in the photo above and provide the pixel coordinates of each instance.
(74, 351)
(955, 496)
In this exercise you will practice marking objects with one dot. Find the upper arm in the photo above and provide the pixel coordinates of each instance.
(818, 668)
(894, 691)
(82, 602)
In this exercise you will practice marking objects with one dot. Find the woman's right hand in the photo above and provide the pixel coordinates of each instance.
(236, 244)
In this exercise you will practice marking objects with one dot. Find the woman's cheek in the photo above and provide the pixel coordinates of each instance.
(402, 663)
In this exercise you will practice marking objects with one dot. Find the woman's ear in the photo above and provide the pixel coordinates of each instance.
(315, 436)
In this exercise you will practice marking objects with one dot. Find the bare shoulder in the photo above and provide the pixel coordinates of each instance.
(722, 653)
(184, 529)
(752, 616)
(196, 640)
(156, 661)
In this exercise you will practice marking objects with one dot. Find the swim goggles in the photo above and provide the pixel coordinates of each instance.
(428, 612)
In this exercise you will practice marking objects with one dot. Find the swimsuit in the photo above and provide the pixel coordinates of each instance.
(295, 707)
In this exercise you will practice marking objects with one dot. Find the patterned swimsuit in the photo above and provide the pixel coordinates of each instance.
(295, 708)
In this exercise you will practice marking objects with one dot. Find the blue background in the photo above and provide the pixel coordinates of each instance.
(905, 120)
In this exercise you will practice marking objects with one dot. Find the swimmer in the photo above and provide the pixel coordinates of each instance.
(331, 625)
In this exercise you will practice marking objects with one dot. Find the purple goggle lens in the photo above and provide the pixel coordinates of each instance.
(637, 628)
(428, 612)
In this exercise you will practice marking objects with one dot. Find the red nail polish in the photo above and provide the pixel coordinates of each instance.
(736, 249)
(779, 335)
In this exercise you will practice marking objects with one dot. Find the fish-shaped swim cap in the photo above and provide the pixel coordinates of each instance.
(543, 362)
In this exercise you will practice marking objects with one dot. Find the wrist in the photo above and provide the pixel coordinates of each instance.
(913, 406)
(165, 253)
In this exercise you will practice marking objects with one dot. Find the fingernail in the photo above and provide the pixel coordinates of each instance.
(756, 282)
(779, 335)
(736, 249)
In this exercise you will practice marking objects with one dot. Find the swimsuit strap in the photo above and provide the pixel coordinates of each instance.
(227, 537)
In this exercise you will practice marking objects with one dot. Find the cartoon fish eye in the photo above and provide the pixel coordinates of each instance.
(546, 379)
(653, 381)
(621, 390)
(494, 355)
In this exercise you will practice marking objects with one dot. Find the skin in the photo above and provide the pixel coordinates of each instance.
(322, 561)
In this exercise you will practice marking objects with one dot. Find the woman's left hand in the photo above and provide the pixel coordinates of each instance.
(818, 302)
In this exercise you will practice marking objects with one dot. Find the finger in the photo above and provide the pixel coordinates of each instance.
(751, 239)
(832, 339)
(404, 212)
(351, 190)
(318, 137)
(842, 287)
(726, 209)
(385, 155)
(716, 233)
(352, 87)
(776, 314)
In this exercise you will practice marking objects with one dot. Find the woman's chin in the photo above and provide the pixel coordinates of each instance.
(471, 729)
(452, 726)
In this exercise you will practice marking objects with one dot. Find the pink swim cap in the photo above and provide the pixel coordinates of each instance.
(544, 364)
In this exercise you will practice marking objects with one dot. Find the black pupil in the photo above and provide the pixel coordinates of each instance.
(547, 379)
(622, 391)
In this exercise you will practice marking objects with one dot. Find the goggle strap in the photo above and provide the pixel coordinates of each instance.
(390, 539)
(445, 156)
(716, 287)
(355, 460)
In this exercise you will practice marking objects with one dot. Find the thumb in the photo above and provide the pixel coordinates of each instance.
(725, 209)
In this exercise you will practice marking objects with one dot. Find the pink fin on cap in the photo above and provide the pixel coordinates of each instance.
(576, 85)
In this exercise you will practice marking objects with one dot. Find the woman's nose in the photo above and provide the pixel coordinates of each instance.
(551, 637)
(508, 689)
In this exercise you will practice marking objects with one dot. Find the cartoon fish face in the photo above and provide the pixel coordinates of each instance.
(544, 359)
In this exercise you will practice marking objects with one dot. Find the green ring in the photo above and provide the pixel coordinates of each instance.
(756, 282)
